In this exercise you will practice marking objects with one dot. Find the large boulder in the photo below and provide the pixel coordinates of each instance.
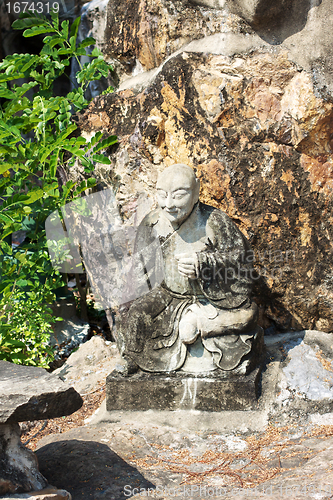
(245, 98)
(30, 393)
(258, 136)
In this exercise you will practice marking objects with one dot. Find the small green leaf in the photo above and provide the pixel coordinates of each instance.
(109, 141)
(101, 159)
(75, 27)
(37, 30)
(87, 42)
(56, 41)
(64, 31)
(21, 24)
(54, 163)
(4, 167)
(6, 93)
(34, 195)
(22, 282)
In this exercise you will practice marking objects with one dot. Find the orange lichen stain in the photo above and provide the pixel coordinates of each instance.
(287, 221)
(288, 178)
(215, 180)
(172, 142)
(275, 230)
(225, 119)
(173, 104)
(243, 142)
(125, 94)
(325, 362)
(320, 174)
(176, 144)
(305, 228)
(99, 121)
(271, 217)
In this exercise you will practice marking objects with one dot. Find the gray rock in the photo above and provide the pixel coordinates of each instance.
(86, 369)
(27, 393)
(30, 393)
(162, 446)
(303, 377)
(18, 465)
(69, 334)
(306, 374)
(49, 493)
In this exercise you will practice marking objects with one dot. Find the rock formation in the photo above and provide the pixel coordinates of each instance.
(27, 393)
(251, 112)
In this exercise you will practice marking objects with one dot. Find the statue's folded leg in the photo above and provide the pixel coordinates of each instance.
(227, 335)
(188, 327)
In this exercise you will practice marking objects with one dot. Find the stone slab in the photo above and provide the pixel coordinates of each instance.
(185, 420)
(49, 493)
(30, 393)
(179, 391)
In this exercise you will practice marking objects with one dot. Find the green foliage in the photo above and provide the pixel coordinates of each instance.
(35, 130)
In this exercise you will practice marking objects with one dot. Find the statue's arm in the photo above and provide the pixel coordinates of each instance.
(225, 265)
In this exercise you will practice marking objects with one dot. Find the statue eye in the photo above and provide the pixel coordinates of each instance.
(179, 195)
(162, 194)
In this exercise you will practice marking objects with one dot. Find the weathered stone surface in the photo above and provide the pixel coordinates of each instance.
(69, 334)
(18, 465)
(287, 16)
(258, 137)
(29, 393)
(142, 33)
(177, 391)
(49, 493)
(156, 449)
(175, 454)
(86, 369)
(304, 377)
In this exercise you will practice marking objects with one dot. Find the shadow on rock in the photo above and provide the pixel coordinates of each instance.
(89, 470)
(275, 20)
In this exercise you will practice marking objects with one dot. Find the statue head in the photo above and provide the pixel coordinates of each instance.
(177, 192)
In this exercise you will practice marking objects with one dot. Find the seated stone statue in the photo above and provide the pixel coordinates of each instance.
(200, 317)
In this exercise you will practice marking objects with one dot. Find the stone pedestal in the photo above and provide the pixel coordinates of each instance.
(27, 393)
(19, 466)
(181, 391)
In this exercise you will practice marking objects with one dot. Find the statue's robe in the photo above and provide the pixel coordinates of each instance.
(148, 333)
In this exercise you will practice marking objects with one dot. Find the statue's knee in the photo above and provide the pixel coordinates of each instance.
(188, 330)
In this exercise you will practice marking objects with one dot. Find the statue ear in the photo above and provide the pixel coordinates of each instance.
(197, 189)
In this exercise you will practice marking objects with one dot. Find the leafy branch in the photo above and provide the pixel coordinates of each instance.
(36, 143)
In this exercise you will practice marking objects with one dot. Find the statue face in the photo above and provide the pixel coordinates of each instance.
(177, 193)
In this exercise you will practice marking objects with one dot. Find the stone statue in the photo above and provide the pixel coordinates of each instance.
(200, 318)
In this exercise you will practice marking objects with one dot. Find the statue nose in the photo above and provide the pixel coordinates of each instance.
(169, 202)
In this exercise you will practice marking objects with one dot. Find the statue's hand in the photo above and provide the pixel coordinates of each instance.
(187, 264)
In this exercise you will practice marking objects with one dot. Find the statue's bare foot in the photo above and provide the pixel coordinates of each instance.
(128, 367)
